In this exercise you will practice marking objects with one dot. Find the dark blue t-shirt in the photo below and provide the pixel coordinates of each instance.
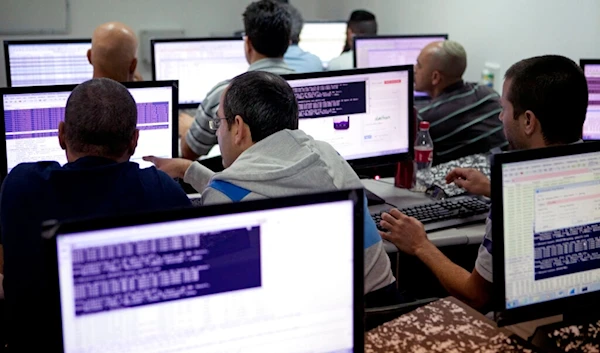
(89, 187)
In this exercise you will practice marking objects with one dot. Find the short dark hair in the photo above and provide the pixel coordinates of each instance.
(555, 89)
(268, 26)
(297, 23)
(100, 118)
(363, 22)
(264, 100)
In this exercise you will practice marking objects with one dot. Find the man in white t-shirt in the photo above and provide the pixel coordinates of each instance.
(361, 23)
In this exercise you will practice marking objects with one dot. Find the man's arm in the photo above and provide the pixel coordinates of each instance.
(408, 234)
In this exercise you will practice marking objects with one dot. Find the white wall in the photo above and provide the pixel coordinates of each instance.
(501, 31)
(196, 17)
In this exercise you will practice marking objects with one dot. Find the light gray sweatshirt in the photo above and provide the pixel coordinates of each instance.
(289, 163)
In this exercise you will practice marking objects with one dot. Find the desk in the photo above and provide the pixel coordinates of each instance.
(384, 188)
(446, 325)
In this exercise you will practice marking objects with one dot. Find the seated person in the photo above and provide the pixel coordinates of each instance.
(265, 156)
(298, 59)
(463, 116)
(268, 27)
(544, 102)
(361, 23)
(99, 136)
(114, 52)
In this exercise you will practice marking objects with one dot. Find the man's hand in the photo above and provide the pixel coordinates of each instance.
(471, 180)
(174, 167)
(407, 233)
(185, 122)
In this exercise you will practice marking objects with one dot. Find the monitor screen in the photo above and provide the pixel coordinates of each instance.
(591, 127)
(323, 39)
(551, 221)
(47, 63)
(198, 64)
(362, 114)
(31, 125)
(391, 50)
(226, 283)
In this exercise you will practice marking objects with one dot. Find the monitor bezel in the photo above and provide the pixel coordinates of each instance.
(582, 64)
(69, 88)
(380, 160)
(8, 43)
(567, 304)
(184, 40)
(51, 230)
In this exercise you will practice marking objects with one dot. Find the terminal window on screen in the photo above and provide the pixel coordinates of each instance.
(552, 228)
(49, 64)
(31, 126)
(218, 284)
(360, 116)
(591, 127)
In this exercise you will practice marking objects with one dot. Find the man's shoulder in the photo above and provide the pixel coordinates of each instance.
(27, 171)
(215, 93)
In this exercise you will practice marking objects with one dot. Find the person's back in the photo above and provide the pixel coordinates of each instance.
(463, 116)
(360, 23)
(464, 121)
(99, 135)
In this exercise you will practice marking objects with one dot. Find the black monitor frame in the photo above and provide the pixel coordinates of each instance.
(382, 160)
(184, 40)
(68, 88)
(573, 305)
(8, 43)
(52, 229)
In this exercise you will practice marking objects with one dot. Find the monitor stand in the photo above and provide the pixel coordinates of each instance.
(373, 199)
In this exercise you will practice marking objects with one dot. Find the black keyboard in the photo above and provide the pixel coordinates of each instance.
(448, 213)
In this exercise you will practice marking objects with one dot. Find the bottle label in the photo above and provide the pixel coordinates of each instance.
(423, 156)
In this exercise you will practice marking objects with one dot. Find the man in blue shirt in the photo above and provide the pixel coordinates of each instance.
(99, 136)
(296, 58)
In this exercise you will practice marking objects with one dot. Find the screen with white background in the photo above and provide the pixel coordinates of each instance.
(49, 64)
(228, 283)
(591, 127)
(323, 39)
(360, 115)
(551, 213)
(31, 125)
(199, 65)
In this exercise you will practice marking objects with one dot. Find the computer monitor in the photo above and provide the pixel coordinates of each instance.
(198, 63)
(591, 127)
(47, 62)
(365, 114)
(30, 116)
(325, 39)
(378, 51)
(215, 279)
(546, 232)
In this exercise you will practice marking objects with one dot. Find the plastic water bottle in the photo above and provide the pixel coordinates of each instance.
(423, 157)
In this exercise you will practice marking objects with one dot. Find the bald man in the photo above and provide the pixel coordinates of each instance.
(114, 52)
(463, 116)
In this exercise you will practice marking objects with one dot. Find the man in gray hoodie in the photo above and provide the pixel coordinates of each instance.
(266, 156)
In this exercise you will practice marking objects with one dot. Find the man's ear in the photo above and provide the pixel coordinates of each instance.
(133, 66)
(436, 77)
(89, 56)
(530, 123)
(241, 131)
(134, 142)
(61, 136)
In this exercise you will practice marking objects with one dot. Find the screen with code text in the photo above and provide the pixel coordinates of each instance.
(31, 125)
(217, 284)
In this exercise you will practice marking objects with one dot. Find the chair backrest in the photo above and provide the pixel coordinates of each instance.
(378, 316)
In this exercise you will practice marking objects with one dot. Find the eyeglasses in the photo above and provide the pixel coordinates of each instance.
(215, 123)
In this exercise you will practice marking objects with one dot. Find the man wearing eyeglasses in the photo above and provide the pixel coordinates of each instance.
(267, 26)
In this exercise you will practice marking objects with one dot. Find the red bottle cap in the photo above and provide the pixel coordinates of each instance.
(424, 125)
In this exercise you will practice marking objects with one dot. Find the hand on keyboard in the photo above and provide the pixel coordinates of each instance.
(407, 233)
(472, 180)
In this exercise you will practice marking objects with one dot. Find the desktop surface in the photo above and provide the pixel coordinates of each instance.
(219, 283)
(381, 51)
(547, 228)
(591, 127)
(198, 64)
(40, 63)
(31, 124)
(363, 114)
(323, 39)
